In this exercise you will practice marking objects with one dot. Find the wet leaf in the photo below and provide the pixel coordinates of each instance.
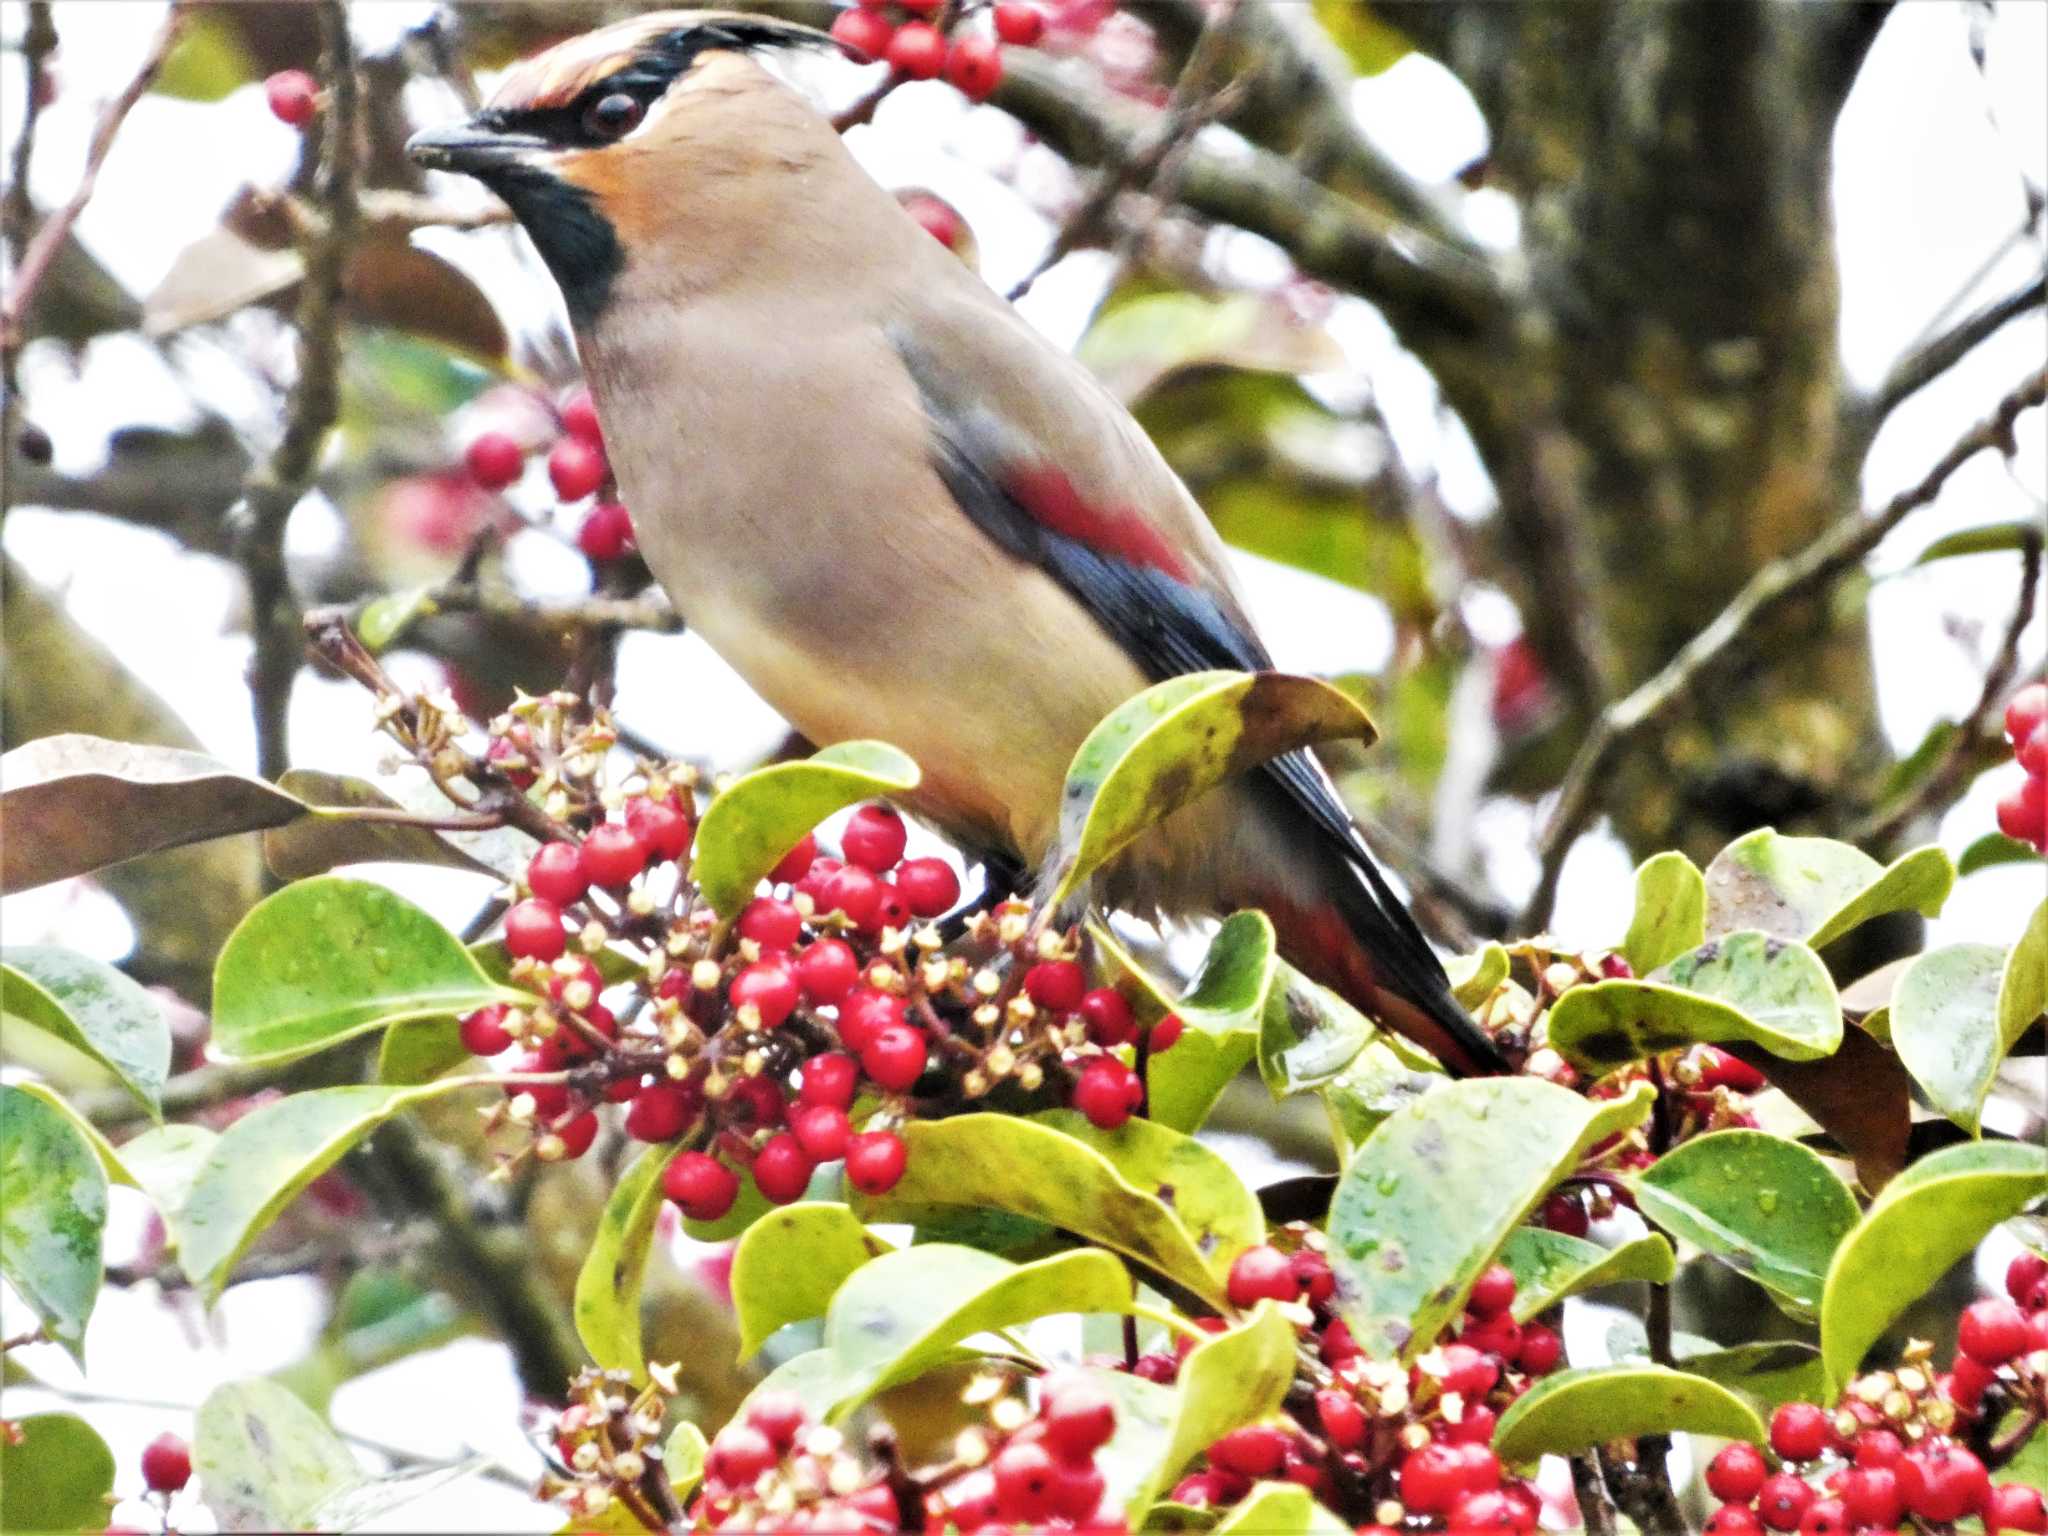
(1228, 1380)
(1194, 1181)
(1379, 1081)
(1993, 849)
(164, 1162)
(1761, 1204)
(1945, 1026)
(265, 1460)
(327, 959)
(95, 1009)
(903, 1312)
(1671, 912)
(74, 804)
(112, 1160)
(1928, 1217)
(56, 1474)
(760, 816)
(789, 1264)
(1778, 1371)
(1475, 977)
(1549, 1266)
(1309, 1035)
(683, 1458)
(53, 1218)
(607, 1303)
(2023, 989)
(1744, 987)
(1435, 1191)
(314, 844)
(1572, 1410)
(420, 1050)
(1814, 889)
(1177, 740)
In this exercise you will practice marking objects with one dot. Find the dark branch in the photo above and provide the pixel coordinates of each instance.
(1935, 356)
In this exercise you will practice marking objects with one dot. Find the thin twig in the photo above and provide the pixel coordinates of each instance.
(38, 42)
(649, 610)
(1947, 778)
(863, 110)
(276, 484)
(1596, 1509)
(1934, 356)
(1630, 722)
(42, 250)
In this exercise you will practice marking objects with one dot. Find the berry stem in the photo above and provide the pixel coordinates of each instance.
(1170, 1321)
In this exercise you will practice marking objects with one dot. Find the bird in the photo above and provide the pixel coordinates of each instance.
(888, 502)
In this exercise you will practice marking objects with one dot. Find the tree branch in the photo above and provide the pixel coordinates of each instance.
(1629, 722)
(1934, 356)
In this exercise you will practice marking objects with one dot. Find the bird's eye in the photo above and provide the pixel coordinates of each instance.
(613, 116)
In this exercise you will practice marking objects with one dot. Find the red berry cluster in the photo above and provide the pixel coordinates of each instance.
(577, 468)
(1895, 1447)
(901, 33)
(1021, 1470)
(2023, 814)
(773, 1469)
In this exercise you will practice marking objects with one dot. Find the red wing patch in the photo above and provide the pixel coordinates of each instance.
(1122, 533)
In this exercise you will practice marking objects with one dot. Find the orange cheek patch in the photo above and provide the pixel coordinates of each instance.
(630, 200)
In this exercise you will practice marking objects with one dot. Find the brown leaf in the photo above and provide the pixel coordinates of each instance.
(393, 283)
(72, 804)
(1860, 1095)
(314, 844)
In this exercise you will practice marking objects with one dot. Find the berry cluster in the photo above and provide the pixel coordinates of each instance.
(1020, 1469)
(1898, 1444)
(2023, 814)
(902, 34)
(608, 1442)
(577, 468)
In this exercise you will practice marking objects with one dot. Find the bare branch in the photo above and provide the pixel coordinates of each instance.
(1629, 722)
(1935, 355)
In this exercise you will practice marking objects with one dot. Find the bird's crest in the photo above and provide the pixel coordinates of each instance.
(645, 53)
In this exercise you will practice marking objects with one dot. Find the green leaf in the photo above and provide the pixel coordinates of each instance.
(1308, 1036)
(683, 1458)
(760, 816)
(1280, 1509)
(1567, 1412)
(324, 840)
(1779, 1371)
(2023, 989)
(1671, 912)
(1183, 1084)
(56, 1474)
(1433, 1194)
(1228, 1380)
(790, 1262)
(1034, 1170)
(1995, 848)
(1229, 992)
(1743, 987)
(607, 1301)
(1177, 740)
(384, 619)
(1815, 889)
(1475, 977)
(94, 1008)
(1135, 343)
(1144, 1427)
(901, 1313)
(420, 1050)
(262, 1162)
(1991, 538)
(1763, 1205)
(376, 1499)
(1945, 1026)
(53, 1217)
(112, 1161)
(1927, 1218)
(1371, 44)
(1549, 1266)
(209, 61)
(164, 1162)
(324, 960)
(265, 1460)
(1197, 1183)
(1379, 1081)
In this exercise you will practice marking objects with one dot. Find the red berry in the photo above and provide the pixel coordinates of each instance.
(577, 1135)
(1164, 1034)
(1078, 1416)
(1159, 1368)
(2024, 1274)
(1108, 1017)
(1025, 1474)
(1468, 1373)
(1077, 1489)
(827, 970)
(556, 874)
(1107, 1092)
(2025, 713)
(2023, 814)
(1493, 1291)
(294, 97)
(1991, 1331)
(702, 1186)
(579, 417)
(1567, 1214)
(1056, 986)
(484, 1032)
(918, 51)
(1432, 1479)
(781, 1169)
(1824, 1517)
(166, 1464)
(1476, 1428)
(771, 923)
(874, 838)
(1313, 1273)
(663, 1110)
(576, 468)
(1541, 1350)
(549, 1099)
(821, 1130)
(1255, 1451)
(756, 1101)
(1943, 1482)
(780, 1416)
(1734, 1520)
(1498, 1335)
(1783, 1501)
(864, 31)
(975, 66)
(856, 892)
(2032, 753)
(769, 987)
(1262, 1274)
(829, 1080)
(1342, 1419)
(894, 911)
(607, 532)
(533, 930)
(612, 855)
(1800, 1431)
(1019, 24)
(1878, 1448)
(1871, 1495)
(875, 1161)
(796, 863)
(2015, 1507)
(739, 1455)
(864, 1013)
(1736, 1473)
(1477, 1464)
(930, 887)
(494, 460)
(894, 1057)
(1718, 1069)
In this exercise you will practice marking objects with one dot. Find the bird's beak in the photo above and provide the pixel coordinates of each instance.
(468, 149)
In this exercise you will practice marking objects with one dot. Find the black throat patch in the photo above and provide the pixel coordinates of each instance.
(573, 237)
